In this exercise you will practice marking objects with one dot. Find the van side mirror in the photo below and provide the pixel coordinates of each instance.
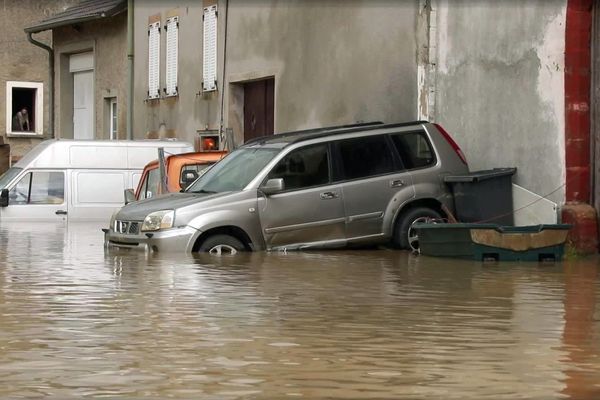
(187, 178)
(4, 198)
(129, 196)
(273, 186)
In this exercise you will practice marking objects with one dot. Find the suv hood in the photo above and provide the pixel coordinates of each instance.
(138, 210)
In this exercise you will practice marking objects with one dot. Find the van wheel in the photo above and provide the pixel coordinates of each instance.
(405, 236)
(220, 245)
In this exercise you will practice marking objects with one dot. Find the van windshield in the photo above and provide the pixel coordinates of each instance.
(8, 176)
(234, 172)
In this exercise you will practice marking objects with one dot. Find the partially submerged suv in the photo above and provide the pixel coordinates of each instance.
(320, 188)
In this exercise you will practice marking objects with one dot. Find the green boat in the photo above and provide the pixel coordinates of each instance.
(483, 242)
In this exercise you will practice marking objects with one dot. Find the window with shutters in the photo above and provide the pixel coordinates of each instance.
(172, 32)
(154, 60)
(209, 58)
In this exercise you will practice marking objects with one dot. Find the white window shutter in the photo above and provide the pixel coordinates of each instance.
(172, 29)
(209, 59)
(154, 60)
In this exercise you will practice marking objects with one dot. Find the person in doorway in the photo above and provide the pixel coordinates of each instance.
(21, 121)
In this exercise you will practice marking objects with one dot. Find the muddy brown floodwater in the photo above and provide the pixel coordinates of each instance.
(77, 321)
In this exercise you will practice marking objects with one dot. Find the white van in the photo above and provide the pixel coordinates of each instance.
(77, 179)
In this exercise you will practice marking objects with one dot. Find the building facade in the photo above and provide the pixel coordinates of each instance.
(89, 46)
(24, 73)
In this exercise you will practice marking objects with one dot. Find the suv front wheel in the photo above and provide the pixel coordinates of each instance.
(405, 236)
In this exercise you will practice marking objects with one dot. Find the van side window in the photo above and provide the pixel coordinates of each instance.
(414, 149)
(39, 187)
(365, 156)
(303, 168)
(150, 188)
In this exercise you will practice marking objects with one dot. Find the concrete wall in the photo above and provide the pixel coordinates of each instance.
(499, 86)
(333, 62)
(21, 60)
(107, 39)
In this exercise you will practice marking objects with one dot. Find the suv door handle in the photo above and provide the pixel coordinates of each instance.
(60, 212)
(397, 183)
(328, 195)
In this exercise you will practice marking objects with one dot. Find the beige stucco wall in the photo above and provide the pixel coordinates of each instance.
(21, 60)
(107, 39)
(333, 62)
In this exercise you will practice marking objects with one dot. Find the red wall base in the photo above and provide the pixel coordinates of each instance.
(584, 233)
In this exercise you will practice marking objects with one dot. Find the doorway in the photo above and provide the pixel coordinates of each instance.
(259, 103)
(81, 66)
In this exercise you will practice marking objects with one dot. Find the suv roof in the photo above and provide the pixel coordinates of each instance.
(287, 138)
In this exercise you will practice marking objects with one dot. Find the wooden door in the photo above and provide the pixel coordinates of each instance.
(259, 103)
(595, 103)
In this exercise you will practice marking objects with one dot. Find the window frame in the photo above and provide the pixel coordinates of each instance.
(113, 129)
(39, 108)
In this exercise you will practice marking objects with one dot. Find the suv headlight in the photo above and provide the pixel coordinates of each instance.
(158, 220)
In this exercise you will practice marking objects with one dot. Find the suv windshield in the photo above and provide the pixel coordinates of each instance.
(8, 176)
(234, 172)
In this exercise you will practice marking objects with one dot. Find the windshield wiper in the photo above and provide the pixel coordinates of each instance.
(203, 191)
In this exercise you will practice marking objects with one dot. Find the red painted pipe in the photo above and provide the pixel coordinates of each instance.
(577, 100)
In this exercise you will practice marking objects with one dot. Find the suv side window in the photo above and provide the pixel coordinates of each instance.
(303, 168)
(365, 156)
(414, 149)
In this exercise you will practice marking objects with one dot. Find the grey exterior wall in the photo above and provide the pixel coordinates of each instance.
(21, 60)
(181, 115)
(333, 62)
(107, 39)
(499, 86)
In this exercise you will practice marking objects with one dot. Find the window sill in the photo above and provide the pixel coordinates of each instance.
(23, 134)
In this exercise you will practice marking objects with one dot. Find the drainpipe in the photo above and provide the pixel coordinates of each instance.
(50, 82)
(129, 69)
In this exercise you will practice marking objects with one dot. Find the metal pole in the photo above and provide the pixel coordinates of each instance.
(50, 51)
(162, 170)
(130, 69)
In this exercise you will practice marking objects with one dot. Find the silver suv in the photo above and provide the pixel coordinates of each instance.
(322, 188)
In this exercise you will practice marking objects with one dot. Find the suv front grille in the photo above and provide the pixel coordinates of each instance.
(127, 227)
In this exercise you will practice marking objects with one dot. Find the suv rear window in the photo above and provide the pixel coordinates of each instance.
(414, 149)
(365, 156)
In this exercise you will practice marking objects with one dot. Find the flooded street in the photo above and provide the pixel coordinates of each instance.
(375, 324)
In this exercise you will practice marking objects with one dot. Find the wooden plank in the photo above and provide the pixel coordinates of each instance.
(519, 241)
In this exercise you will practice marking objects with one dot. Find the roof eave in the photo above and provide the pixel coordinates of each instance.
(57, 24)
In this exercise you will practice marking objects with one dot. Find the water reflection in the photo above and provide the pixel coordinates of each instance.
(79, 321)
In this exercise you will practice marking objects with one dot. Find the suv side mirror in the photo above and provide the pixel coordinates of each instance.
(187, 178)
(129, 196)
(4, 198)
(273, 186)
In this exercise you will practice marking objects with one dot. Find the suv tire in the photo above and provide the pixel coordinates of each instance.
(221, 244)
(404, 236)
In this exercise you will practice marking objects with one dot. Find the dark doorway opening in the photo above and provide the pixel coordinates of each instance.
(259, 103)
(23, 99)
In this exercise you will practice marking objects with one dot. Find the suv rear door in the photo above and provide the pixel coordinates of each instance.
(310, 210)
(373, 181)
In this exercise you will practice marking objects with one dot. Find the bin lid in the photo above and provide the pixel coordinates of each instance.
(482, 175)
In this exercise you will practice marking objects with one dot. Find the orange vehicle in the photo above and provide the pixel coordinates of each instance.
(181, 170)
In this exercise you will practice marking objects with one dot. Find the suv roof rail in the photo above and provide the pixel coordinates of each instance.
(307, 134)
(316, 135)
(266, 138)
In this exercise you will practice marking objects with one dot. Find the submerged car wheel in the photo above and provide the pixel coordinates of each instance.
(405, 235)
(221, 245)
